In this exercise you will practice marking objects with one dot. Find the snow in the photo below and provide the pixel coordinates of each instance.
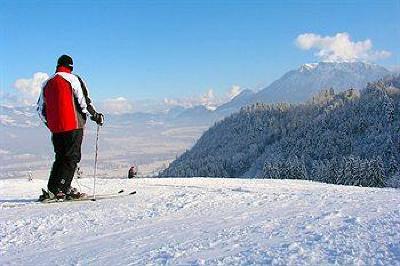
(202, 221)
(299, 85)
(6, 120)
(308, 66)
(4, 151)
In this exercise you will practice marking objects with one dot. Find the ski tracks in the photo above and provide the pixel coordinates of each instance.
(210, 222)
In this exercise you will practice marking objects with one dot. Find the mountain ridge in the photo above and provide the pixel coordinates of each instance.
(300, 84)
(360, 127)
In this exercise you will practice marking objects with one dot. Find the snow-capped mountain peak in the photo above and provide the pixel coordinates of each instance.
(300, 84)
(308, 67)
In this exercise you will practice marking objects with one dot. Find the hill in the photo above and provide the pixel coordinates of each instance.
(349, 131)
(199, 221)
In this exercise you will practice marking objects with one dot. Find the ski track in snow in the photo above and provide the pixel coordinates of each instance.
(200, 221)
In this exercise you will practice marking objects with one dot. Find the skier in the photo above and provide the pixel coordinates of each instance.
(132, 172)
(63, 106)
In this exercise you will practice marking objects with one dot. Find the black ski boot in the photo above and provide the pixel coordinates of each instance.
(73, 193)
(45, 195)
(48, 195)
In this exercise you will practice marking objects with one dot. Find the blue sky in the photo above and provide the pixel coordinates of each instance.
(158, 49)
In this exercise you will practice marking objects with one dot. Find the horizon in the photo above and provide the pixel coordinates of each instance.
(187, 53)
(163, 106)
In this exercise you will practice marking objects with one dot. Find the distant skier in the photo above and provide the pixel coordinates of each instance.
(63, 106)
(132, 172)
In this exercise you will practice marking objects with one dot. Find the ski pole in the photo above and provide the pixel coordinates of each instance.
(95, 163)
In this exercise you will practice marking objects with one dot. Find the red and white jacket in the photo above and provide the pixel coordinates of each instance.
(64, 102)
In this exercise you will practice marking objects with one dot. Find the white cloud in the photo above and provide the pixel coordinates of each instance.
(119, 105)
(208, 99)
(339, 47)
(234, 91)
(29, 89)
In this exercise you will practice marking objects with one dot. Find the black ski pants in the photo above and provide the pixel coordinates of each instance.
(67, 147)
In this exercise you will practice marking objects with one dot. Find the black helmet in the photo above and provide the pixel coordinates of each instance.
(65, 60)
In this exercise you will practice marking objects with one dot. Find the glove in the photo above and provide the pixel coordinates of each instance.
(98, 118)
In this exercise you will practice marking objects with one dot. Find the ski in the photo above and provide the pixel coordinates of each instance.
(120, 194)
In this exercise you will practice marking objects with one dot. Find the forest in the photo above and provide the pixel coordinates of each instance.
(349, 138)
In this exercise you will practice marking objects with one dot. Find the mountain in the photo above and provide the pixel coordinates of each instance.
(236, 103)
(300, 84)
(354, 133)
(296, 86)
(199, 114)
(18, 117)
(175, 111)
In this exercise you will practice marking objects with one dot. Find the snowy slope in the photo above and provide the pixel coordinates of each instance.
(201, 221)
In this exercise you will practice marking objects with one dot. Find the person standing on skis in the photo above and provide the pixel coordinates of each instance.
(63, 106)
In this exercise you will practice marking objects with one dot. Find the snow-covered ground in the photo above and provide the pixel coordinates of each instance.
(202, 221)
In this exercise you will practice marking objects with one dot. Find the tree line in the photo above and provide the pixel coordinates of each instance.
(350, 138)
